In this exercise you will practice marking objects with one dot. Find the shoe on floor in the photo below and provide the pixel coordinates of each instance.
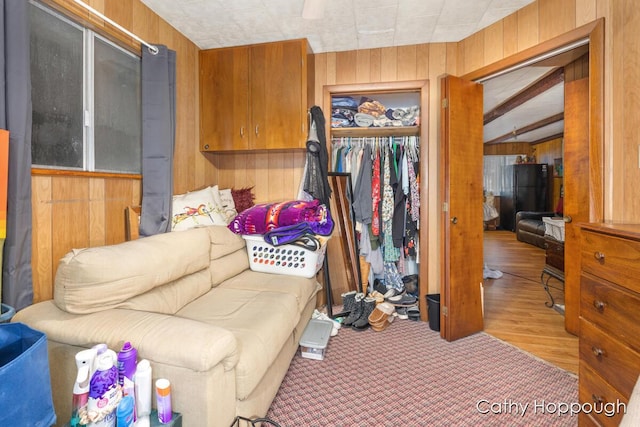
(403, 300)
(394, 292)
(379, 286)
(402, 313)
(413, 313)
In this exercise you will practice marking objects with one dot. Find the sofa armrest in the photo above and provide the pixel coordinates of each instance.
(532, 215)
(161, 338)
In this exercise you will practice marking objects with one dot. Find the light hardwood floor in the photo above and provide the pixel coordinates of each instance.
(514, 305)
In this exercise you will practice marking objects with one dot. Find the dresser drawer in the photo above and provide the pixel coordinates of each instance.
(612, 258)
(612, 309)
(609, 357)
(604, 398)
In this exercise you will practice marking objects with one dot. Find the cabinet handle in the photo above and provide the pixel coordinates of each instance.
(257, 127)
(241, 131)
(597, 352)
(597, 399)
(599, 256)
(599, 305)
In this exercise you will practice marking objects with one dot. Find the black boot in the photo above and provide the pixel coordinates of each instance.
(356, 312)
(348, 300)
(368, 305)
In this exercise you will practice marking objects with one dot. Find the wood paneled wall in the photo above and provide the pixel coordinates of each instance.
(93, 202)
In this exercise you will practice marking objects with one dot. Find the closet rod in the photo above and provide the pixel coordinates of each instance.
(153, 49)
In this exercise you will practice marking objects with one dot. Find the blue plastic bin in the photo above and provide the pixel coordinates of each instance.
(25, 384)
(6, 313)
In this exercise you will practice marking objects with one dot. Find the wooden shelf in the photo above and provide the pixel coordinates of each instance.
(376, 131)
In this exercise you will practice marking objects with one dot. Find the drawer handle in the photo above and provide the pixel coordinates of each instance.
(597, 352)
(599, 305)
(599, 256)
(597, 399)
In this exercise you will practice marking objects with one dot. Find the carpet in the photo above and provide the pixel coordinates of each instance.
(407, 375)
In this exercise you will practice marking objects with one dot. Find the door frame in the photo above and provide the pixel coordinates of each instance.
(593, 33)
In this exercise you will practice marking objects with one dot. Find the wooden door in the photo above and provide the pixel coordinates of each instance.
(224, 99)
(278, 98)
(576, 191)
(461, 192)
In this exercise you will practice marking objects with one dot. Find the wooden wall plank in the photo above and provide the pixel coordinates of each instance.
(376, 65)
(97, 212)
(631, 102)
(388, 64)
(510, 35)
(619, 109)
(422, 61)
(70, 215)
(493, 43)
(363, 66)
(406, 63)
(346, 67)
(586, 11)
(42, 242)
(556, 17)
(528, 26)
(474, 51)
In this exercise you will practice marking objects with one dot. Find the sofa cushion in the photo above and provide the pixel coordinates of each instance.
(104, 277)
(228, 255)
(261, 321)
(532, 226)
(302, 288)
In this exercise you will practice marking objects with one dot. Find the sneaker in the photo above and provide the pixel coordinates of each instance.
(394, 292)
(403, 300)
(323, 316)
(402, 313)
(413, 313)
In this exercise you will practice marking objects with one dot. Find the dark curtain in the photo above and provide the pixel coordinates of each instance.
(158, 139)
(15, 116)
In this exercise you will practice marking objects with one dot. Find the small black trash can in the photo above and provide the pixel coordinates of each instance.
(433, 311)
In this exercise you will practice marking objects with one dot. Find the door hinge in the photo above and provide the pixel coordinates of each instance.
(445, 103)
(445, 310)
(445, 207)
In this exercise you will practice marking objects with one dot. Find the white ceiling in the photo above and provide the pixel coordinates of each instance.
(365, 24)
(346, 25)
(546, 104)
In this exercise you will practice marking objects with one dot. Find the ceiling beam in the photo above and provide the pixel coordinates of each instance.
(547, 138)
(541, 85)
(533, 126)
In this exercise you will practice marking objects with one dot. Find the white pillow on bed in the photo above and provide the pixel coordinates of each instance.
(196, 209)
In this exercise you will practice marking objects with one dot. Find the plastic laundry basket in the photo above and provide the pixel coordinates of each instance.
(285, 259)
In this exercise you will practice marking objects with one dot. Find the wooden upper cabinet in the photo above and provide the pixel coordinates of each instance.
(255, 97)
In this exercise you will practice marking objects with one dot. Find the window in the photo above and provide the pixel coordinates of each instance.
(496, 178)
(85, 96)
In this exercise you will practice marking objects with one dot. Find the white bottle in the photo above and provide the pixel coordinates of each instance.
(143, 392)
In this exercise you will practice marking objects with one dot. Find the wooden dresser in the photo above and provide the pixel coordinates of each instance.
(609, 317)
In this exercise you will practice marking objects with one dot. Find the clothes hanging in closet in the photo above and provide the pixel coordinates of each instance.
(386, 198)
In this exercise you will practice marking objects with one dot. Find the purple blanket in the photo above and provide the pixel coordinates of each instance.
(265, 217)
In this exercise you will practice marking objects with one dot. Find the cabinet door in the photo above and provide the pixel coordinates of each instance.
(224, 99)
(278, 95)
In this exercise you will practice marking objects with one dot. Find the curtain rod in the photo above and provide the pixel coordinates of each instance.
(153, 49)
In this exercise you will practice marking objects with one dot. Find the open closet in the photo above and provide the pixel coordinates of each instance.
(377, 133)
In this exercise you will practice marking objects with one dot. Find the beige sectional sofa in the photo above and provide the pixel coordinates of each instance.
(223, 334)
